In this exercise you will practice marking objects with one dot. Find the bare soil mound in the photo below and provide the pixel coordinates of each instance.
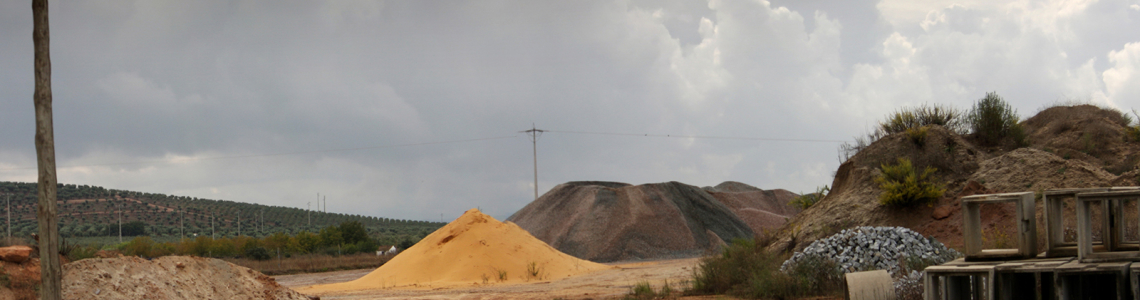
(1069, 147)
(1029, 169)
(474, 249)
(1085, 132)
(168, 277)
(762, 210)
(607, 221)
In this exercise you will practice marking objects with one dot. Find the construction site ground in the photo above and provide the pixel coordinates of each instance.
(605, 284)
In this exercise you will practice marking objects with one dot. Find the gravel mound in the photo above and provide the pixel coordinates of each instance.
(168, 277)
(762, 210)
(732, 187)
(874, 248)
(610, 221)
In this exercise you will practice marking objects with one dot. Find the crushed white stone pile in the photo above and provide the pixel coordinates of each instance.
(874, 248)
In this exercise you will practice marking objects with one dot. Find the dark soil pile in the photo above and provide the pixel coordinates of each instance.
(1069, 147)
(610, 221)
(762, 210)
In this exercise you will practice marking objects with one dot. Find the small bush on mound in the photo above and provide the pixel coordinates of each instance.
(903, 185)
(746, 269)
(917, 135)
(904, 120)
(82, 252)
(807, 200)
(992, 120)
(925, 115)
(1132, 132)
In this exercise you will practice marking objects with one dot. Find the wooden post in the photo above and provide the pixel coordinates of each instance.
(50, 272)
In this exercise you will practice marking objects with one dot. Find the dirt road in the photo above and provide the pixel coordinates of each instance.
(604, 284)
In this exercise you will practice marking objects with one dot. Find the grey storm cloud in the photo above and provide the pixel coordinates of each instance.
(273, 102)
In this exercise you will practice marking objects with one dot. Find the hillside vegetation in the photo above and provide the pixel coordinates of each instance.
(987, 149)
(91, 211)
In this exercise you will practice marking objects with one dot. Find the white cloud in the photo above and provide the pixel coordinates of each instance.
(169, 82)
(1121, 80)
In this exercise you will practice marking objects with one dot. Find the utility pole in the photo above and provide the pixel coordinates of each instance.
(8, 199)
(120, 223)
(326, 198)
(51, 275)
(534, 133)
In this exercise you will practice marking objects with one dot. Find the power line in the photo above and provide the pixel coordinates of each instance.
(698, 136)
(530, 133)
(534, 133)
(277, 154)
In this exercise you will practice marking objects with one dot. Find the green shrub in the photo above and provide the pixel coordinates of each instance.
(350, 249)
(641, 290)
(902, 120)
(1132, 132)
(139, 246)
(917, 135)
(257, 253)
(82, 252)
(534, 271)
(666, 290)
(992, 119)
(921, 116)
(746, 269)
(807, 200)
(903, 185)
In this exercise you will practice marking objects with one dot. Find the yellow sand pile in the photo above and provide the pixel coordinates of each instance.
(473, 249)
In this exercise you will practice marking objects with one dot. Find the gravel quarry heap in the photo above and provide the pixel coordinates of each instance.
(762, 210)
(474, 249)
(613, 221)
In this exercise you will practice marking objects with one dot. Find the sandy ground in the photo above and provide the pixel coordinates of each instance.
(610, 283)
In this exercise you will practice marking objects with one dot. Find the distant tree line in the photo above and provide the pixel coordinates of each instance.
(92, 211)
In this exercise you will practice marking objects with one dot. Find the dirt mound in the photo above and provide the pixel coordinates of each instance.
(474, 249)
(1029, 169)
(854, 197)
(762, 210)
(1085, 132)
(23, 279)
(617, 221)
(732, 186)
(168, 277)
(1069, 147)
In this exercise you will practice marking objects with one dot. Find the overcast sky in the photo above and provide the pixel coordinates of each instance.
(411, 109)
